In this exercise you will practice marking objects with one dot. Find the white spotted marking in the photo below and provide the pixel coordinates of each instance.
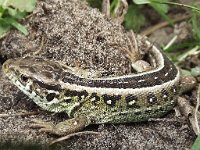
(193, 82)
(155, 78)
(38, 90)
(75, 123)
(67, 98)
(149, 109)
(172, 102)
(131, 102)
(141, 80)
(109, 102)
(164, 96)
(93, 99)
(33, 94)
(151, 100)
(27, 87)
(159, 107)
(166, 74)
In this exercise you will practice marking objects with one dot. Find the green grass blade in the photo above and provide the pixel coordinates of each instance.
(4, 28)
(196, 145)
(17, 25)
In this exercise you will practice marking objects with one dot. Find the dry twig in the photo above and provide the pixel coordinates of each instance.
(18, 114)
(152, 29)
(71, 135)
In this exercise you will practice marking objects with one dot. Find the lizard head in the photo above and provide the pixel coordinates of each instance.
(36, 77)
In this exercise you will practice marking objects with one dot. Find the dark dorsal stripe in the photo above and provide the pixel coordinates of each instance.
(79, 94)
(47, 86)
(167, 73)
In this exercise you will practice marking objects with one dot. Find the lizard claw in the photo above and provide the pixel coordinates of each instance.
(44, 126)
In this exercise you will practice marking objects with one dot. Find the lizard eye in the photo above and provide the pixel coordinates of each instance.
(24, 78)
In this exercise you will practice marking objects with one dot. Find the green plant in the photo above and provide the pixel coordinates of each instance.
(11, 11)
(190, 47)
(195, 25)
(95, 3)
(134, 12)
(161, 6)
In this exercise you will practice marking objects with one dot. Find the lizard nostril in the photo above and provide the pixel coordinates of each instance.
(5, 66)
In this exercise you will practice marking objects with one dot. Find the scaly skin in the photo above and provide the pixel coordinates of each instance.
(130, 98)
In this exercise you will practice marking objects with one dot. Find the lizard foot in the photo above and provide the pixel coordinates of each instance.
(62, 128)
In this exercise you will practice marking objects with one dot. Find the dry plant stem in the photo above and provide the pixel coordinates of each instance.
(172, 41)
(135, 41)
(40, 48)
(193, 51)
(152, 29)
(133, 52)
(120, 11)
(177, 112)
(189, 112)
(196, 110)
(19, 114)
(71, 135)
(164, 120)
(106, 8)
(127, 50)
(185, 107)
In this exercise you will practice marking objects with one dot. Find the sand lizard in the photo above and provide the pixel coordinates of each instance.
(128, 98)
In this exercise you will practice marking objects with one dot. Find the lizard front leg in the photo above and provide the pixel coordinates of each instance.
(62, 128)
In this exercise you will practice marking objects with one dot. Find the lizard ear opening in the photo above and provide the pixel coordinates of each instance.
(50, 97)
(23, 78)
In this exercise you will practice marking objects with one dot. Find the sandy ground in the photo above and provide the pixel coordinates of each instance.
(84, 38)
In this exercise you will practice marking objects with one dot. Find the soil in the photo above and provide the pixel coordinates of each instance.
(83, 37)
